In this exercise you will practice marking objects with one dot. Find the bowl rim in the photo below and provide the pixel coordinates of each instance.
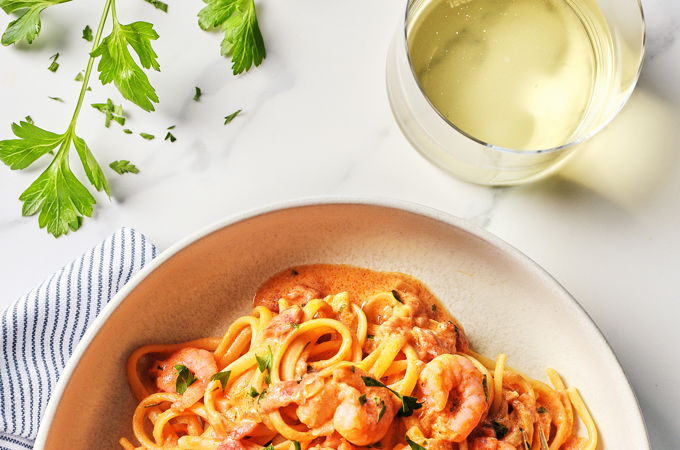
(389, 203)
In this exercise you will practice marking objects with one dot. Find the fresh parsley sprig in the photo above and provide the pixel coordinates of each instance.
(265, 364)
(243, 40)
(408, 404)
(185, 378)
(27, 25)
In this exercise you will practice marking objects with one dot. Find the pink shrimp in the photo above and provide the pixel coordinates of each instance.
(202, 365)
(449, 417)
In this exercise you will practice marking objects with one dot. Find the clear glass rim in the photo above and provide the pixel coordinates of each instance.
(501, 149)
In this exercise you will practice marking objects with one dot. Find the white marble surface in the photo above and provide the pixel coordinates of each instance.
(316, 121)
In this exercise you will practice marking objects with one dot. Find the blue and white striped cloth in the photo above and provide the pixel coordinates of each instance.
(39, 331)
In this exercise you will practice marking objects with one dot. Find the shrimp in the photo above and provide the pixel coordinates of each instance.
(282, 325)
(364, 418)
(490, 443)
(200, 362)
(451, 419)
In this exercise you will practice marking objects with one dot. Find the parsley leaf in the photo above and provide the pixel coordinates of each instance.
(296, 445)
(57, 194)
(56, 99)
(485, 385)
(185, 378)
(500, 429)
(54, 65)
(197, 95)
(265, 363)
(79, 77)
(158, 5)
(123, 166)
(541, 410)
(232, 116)
(170, 137)
(222, 377)
(116, 64)
(408, 404)
(253, 392)
(87, 33)
(242, 37)
(127, 131)
(147, 136)
(111, 111)
(362, 399)
(396, 296)
(269, 447)
(27, 25)
(413, 445)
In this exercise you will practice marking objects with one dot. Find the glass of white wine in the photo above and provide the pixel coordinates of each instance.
(500, 92)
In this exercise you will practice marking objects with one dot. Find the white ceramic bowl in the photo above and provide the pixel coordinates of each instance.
(504, 300)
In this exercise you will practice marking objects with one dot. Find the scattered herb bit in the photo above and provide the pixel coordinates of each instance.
(185, 378)
(413, 445)
(294, 272)
(253, 392)
(111, 112)
(434, 307)
(352, 369)
(296, 445)
(117, 65)
(295, 325)
(123, 166)
(54, 65)
(362, 399)
(79, 77)
(56, 99)
(396, 296)
(171, 127)
(381, 405)
(265, 363)
(222, 377)
(158, 5)
(370, 337)
(147, 136)
(232, 116)
(242, 37)
(541, 410)
(408, 404)
(87, 33)
(197, 95)
(29, 119)
(127, 131)
(151, 405)
(269, 447)
(170, 137)
(500, 429)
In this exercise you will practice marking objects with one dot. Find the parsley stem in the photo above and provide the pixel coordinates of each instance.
(90, 64)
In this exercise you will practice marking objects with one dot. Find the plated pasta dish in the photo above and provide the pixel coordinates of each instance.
(340, 357)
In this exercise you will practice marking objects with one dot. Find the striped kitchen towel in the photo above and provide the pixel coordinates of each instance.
(40, 330)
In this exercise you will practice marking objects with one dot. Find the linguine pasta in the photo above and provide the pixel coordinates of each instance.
(344, 358)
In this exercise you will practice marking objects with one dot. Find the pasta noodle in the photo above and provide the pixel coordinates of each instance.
(338, 357)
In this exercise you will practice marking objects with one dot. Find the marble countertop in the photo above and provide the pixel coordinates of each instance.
(316, 121)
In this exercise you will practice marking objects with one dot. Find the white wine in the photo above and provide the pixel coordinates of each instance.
(518, 74)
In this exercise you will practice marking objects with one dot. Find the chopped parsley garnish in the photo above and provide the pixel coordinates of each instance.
(127, 131)
(408, 404)
(185, 378)
(434, 307)
(232, 116)
(170, 137)
(269, 446)
(362, 399)
(158, 5)
(222, 377)
(396, 296)
(500, 429)
(197, 95)
(541, 410)
(264, 363)
(295, 325)
(147, 136)
(294, 272)
(54, 65)
(123, 166)
(79, 77)
(370, 337)
(413, 445)
(87, 33)
(111, 112)
(296, 445)
(485, 385)
(253, 392)
(56, 99)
